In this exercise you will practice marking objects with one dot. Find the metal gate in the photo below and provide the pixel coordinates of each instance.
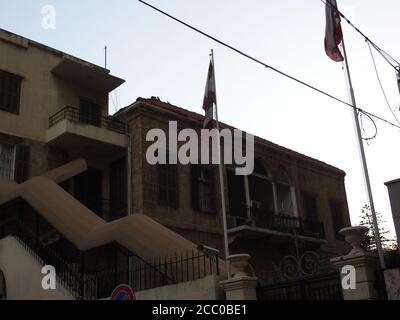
(302, 275)
(321, 287)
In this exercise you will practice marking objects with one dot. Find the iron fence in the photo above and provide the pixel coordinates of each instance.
(87, 282)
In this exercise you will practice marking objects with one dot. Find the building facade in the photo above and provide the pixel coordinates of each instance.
(290, 198)
(54, 109)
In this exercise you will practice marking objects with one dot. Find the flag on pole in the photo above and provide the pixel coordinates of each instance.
(210, 98)
(333, 32)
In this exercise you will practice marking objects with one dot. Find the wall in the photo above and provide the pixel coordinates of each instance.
(23, 275)
(203, 289)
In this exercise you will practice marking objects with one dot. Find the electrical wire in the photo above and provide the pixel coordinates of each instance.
(269, 66)
(380, 83)
(362, 126)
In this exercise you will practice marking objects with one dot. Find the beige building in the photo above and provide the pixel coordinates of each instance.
(54, 115)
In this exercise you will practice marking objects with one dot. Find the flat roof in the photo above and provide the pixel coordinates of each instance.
(392, 182)
(23, 41)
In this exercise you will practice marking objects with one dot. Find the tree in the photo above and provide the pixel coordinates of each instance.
(369, 244)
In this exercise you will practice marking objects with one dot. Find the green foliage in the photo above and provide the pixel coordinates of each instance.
(369, 244)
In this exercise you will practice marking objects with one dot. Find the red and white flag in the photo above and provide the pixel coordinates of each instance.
(333, 32)
(210, 98)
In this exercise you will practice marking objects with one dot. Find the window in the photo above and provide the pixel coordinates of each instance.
(310, 206)
(10, 89)
(337, 217)
(7, 161)
(90, 113)
(261, 190)
(284, 193)
(167, 185)
(14, 162)
(202, 182)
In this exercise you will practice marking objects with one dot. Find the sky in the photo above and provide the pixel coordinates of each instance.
(158, 57)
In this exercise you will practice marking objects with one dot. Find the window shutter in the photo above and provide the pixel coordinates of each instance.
(211, 179)
(194, 182)
(21, 163)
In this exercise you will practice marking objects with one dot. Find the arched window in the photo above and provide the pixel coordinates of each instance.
(261, 190)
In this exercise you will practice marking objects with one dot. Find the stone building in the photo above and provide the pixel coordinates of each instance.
(288, 196)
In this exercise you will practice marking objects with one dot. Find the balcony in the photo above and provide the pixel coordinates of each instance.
(277, 226)
(72, 130)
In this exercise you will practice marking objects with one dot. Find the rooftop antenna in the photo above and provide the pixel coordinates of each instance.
(105, 57)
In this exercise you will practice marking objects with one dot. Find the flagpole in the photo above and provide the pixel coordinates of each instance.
(363, 160)
(221, 179)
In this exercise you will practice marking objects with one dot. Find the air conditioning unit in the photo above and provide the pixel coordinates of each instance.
(255, 204)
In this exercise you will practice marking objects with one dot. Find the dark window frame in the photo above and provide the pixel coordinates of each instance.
(336, 208)
(167, 179)
(312, 217)
(6, 94)
(195, 172)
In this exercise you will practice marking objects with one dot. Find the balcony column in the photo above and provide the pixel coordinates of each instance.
(248, 198)
(275, 194)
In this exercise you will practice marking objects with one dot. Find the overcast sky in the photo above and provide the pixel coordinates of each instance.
(159, 57)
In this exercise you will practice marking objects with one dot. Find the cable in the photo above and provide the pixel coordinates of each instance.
(389, 59)
(362, 126)
(270, 67)
(380, 83)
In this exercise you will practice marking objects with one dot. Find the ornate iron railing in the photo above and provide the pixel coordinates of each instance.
(76, 115)
(279, 222)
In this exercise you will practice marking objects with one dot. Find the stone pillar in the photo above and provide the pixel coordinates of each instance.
(394, 196)
(241, 286)
(392, 282)
(363, 262)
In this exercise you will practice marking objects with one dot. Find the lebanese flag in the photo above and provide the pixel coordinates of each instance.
(333, 32)
(210, 98)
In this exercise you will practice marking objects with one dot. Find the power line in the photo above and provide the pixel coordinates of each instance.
(269, 66)
(380, 83)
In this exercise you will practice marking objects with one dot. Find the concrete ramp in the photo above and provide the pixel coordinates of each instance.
(138, 233)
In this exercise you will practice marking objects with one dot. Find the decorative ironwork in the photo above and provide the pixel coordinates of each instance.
(307, 264)
(302, 275)
(299, 263)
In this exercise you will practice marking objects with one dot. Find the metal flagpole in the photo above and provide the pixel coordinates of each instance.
(364, 161)
(221, 177)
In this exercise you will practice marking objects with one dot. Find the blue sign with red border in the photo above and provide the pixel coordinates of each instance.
(123, 292)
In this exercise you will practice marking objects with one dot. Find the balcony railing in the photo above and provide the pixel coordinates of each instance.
(279, 222)
(76, 115)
